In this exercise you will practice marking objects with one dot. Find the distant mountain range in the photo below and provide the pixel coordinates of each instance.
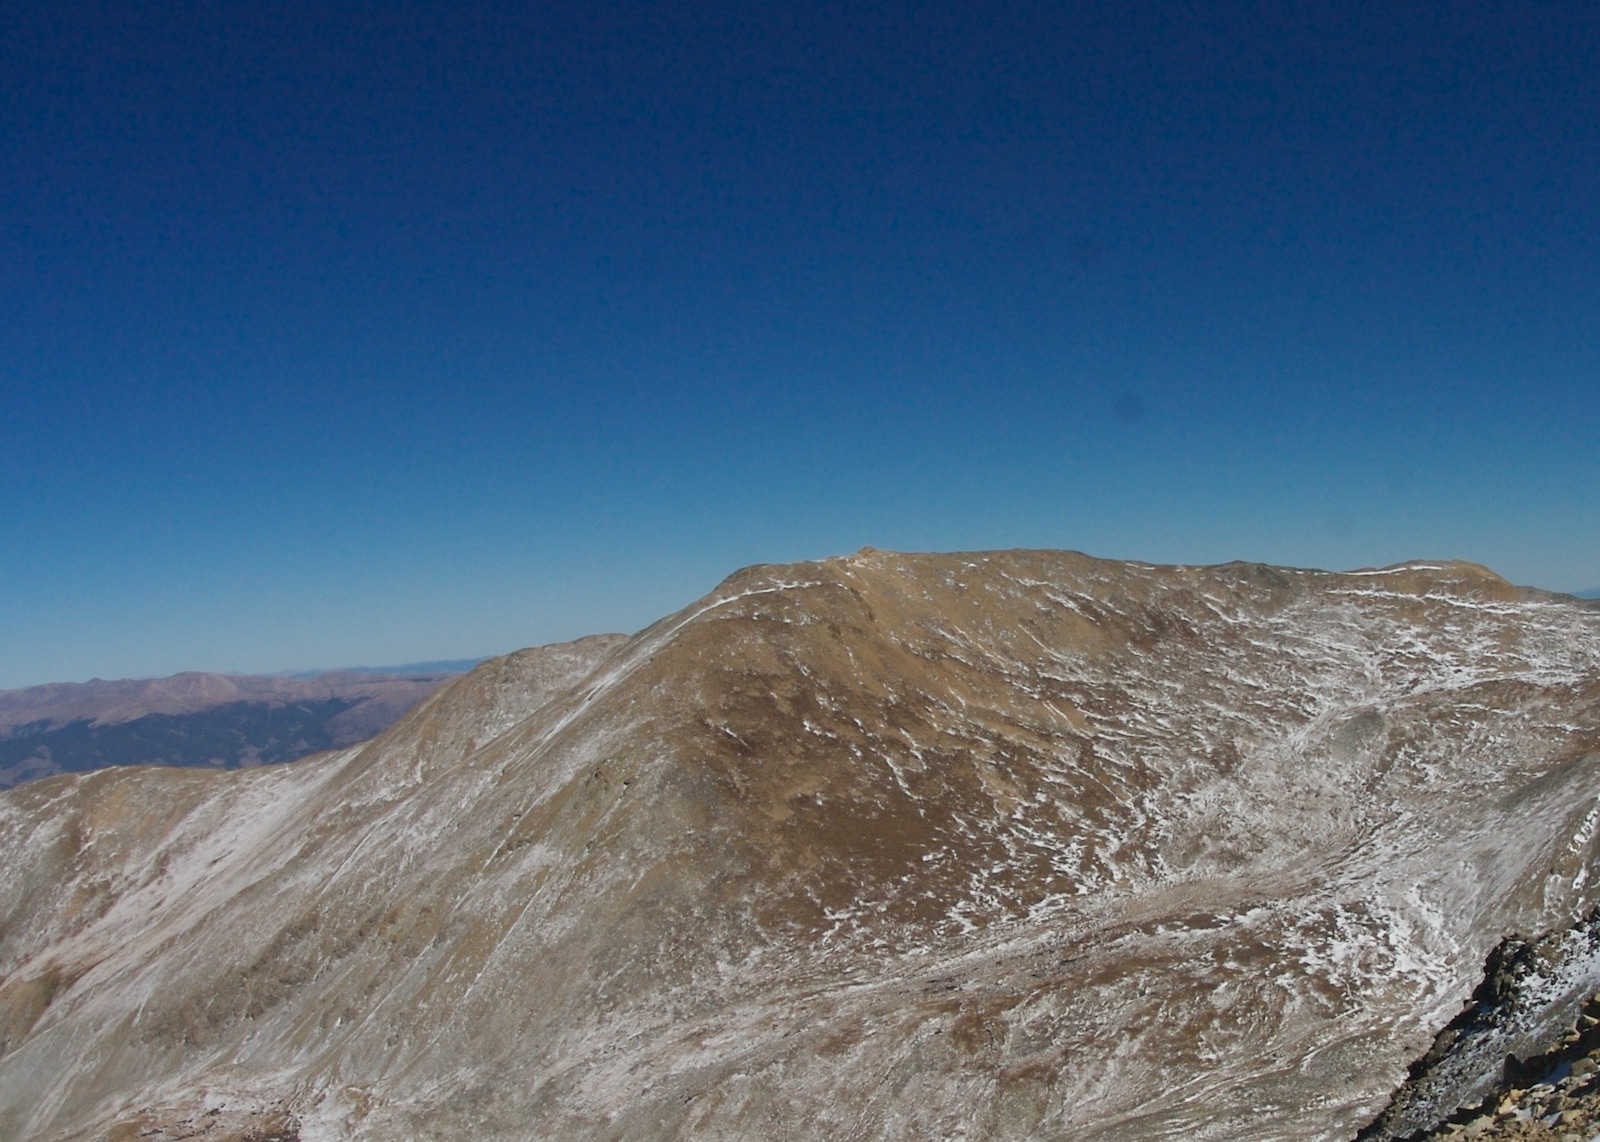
(226, 721)
(1591, 593)
(442, 666)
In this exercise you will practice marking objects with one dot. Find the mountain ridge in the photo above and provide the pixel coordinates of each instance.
(986, 845)
(196, 718)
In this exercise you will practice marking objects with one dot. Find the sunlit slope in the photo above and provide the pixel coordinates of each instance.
(1020, 844)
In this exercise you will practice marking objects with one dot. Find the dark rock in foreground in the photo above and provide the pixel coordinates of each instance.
(1525, 1026)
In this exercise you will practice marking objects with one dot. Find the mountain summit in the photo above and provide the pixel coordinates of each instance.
(1005, 845)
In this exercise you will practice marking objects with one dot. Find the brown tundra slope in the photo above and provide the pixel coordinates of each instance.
(1005, 845)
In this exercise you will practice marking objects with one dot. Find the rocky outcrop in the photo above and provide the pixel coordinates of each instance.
(1554, 1097)
(1517, 1052)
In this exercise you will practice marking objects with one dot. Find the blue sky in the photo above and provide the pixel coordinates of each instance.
(360, 333)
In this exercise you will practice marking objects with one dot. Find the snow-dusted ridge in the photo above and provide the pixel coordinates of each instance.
(993, 845)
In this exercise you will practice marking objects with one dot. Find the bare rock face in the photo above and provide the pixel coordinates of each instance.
(1008, 845)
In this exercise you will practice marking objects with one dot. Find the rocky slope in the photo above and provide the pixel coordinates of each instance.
(1552, 1097)
(1517, 1058)
(224, 720)
(1561, 1104)
(1007, 845)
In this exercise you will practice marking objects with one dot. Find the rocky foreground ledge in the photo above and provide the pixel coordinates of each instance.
(1564, 1106)
(1521, 1060)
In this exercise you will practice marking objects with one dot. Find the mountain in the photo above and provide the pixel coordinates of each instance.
(1591, 593)
(440, 666)
(999, 845)
(224, 720)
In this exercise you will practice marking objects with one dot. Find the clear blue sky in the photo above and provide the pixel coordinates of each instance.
(337, 333)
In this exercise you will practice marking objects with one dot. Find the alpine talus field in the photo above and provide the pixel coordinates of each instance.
(988, 846)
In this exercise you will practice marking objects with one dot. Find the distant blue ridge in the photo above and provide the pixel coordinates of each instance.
(444, 666)
(1591, 593)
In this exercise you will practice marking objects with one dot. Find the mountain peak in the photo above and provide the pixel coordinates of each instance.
(997, 843)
